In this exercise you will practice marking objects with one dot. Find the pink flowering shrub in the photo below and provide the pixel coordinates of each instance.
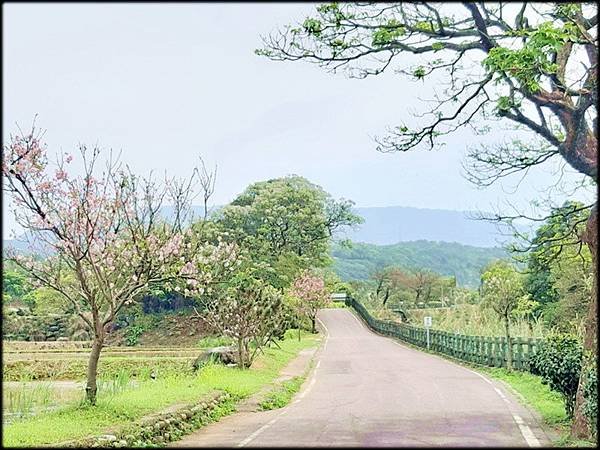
(311, 295)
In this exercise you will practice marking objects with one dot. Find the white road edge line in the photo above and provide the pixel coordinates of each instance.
(323, 325)
(253, 436)
(526, 432)
(326, 333)
(532, 441)
(528, 435)
(359, 322)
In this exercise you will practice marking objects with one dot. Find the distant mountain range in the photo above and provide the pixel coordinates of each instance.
(392, 224)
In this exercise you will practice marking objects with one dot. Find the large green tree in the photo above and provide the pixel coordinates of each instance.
(287, 223)
(558, 265)
(530, 64)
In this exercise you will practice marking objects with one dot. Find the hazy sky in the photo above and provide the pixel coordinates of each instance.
(165, 83)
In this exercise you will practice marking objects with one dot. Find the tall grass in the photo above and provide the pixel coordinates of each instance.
(112, 387)
(475, 320)
(468, 319)
(25, 400)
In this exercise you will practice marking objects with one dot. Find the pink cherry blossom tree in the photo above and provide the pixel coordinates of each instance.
(248, 310)
(311, 295)
(106, 241)
(236, 302)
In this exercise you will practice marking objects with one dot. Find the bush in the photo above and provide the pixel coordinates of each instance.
(590, 394)
(133, 334)
(558, 361)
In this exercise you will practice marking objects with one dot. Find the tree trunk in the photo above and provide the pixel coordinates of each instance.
(248, 356)
(427, 295)
(91, 388)
(313, 325)
(387, 295)
(240, 346)
(509, 353)
(580, 427)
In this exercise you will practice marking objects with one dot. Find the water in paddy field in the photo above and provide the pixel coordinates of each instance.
(27, 398)
(22, 399)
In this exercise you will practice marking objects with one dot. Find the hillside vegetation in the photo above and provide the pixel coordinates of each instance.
(446, 258)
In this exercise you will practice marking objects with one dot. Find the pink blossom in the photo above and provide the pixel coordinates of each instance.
(45, 186)
(60, 175)
(188, 268)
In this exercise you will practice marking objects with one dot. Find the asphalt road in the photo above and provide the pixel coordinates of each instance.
(369, 390)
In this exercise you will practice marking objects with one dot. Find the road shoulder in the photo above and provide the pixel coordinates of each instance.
(232, 430)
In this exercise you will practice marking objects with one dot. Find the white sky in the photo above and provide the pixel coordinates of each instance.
(165, 83)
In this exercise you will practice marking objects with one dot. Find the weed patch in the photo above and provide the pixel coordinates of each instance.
(283, 394)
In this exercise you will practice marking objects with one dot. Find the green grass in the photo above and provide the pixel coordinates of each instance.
(283, 394)
(548, 403)
(567, 441)
(214, 341)
(336, 305)
(78, 421)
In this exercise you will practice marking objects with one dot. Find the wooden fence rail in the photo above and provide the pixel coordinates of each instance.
(484, 350)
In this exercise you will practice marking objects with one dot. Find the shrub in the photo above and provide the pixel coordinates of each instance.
(590, 394)
(558, 361)
(133, 334)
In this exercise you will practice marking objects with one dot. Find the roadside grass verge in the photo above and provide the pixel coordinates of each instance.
(567, 441)
(77, 421)
(283, 394)
(548, 403)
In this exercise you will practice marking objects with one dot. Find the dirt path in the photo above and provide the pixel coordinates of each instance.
(368, 390)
